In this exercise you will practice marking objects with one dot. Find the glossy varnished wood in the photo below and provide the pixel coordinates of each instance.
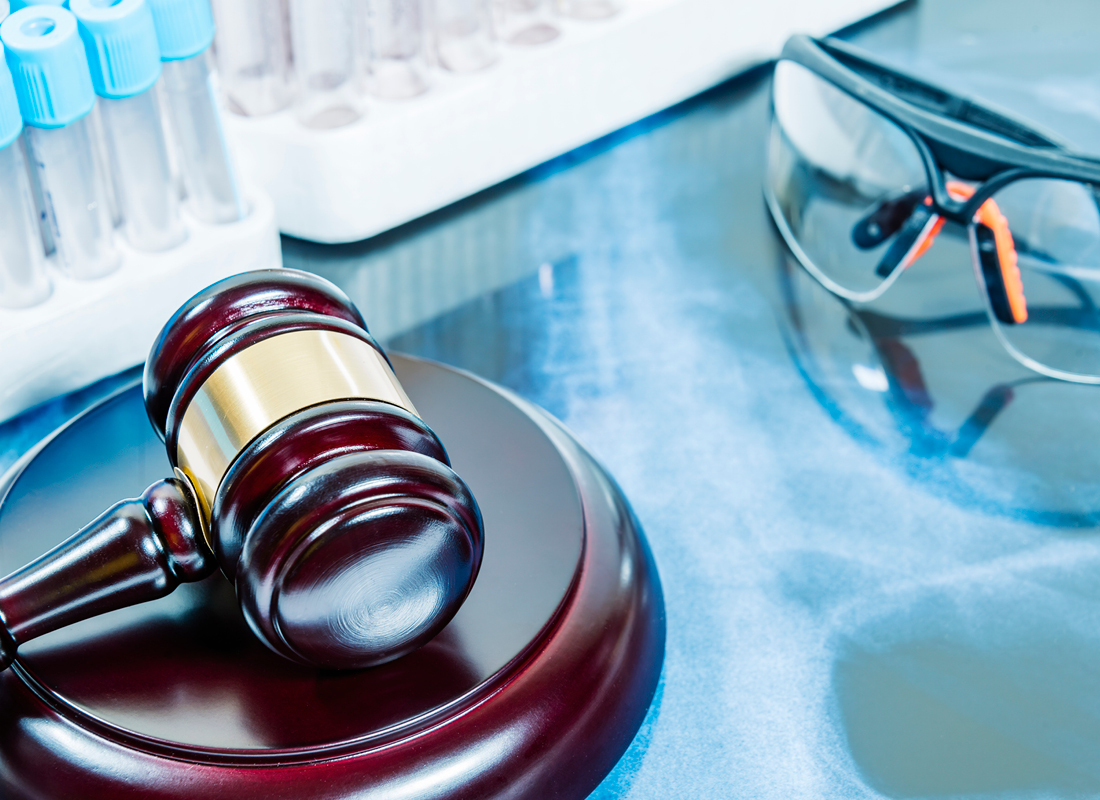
(533, 690)
(303, 442)
(216, 313)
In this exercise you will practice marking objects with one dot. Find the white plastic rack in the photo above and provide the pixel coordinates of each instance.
(406, 158)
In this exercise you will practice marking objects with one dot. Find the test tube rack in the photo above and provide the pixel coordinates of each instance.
(406, 158)
(87, 330)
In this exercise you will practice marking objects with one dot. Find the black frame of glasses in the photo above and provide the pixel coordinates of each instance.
(952, 133)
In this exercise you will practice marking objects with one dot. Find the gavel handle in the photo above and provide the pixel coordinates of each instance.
(136, 550)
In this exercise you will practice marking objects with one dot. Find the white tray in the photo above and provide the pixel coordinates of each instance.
(405, 159)
(88, 330)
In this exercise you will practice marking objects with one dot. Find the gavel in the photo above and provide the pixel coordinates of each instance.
(301, 469)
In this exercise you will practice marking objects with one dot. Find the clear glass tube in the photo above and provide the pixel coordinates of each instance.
(253, 50)
(396, 67)
(205, 166)
(103, 162)
(147, 198)
(23, 278)
(462, 34)
(588, 9)
(75, 199)
(45, 228)
(322, 33)
(525, 22)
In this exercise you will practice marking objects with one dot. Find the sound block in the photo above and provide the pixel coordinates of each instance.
(534, 690)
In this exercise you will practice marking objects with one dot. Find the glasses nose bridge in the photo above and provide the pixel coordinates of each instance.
(954, 200)
(950, 208)
(951, 197)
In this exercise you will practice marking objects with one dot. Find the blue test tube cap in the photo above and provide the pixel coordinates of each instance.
(185, 28)
(121, 42)
(11, 121)
(43, 50)
(19, 5)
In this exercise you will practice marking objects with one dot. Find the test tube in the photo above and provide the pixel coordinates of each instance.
(185, 30)
(44, 226)
(587, 9)
(121, 45)
(253, 47)
(23, 279)
(396, 67)
(525, 22)
(462, 34)
(54, 87)
(322, 34)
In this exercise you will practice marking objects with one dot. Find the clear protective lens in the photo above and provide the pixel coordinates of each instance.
(1048, 316)
(847, 184)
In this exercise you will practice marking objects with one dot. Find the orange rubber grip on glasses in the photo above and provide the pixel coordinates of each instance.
(989, 214)
(928, 238)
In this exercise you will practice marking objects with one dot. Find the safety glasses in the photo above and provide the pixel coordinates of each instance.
(872, 172)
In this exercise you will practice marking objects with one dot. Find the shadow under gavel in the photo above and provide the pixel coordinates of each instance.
(303, 472)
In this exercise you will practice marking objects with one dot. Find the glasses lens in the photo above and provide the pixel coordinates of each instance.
(1046, 305)
(848, 184)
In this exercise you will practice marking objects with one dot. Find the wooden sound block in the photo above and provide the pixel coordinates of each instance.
(534, 689)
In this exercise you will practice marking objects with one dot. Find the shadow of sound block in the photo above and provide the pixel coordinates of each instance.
(534, 689)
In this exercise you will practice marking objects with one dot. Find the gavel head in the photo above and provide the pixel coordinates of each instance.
(323, 495)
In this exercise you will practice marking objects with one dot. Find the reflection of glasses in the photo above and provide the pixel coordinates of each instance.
(867, 167)
(872, 376)
(899, 374)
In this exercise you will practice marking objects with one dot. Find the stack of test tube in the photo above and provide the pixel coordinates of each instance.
(324, 58)
(497, 87)
(85, 95)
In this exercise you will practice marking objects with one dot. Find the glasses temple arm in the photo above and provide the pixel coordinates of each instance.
(936, 99)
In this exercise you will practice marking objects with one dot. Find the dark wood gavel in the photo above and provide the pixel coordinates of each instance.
(302, 470)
